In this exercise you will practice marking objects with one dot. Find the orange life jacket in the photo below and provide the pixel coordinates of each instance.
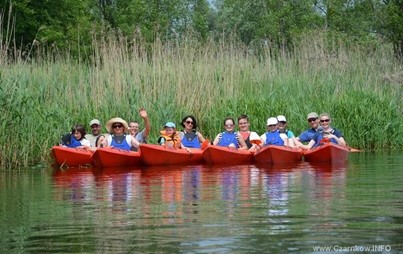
(171, 141)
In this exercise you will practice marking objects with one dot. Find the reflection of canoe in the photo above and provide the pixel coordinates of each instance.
(278, 155)
(154, 155)
(112, 157)
(224, 155)
(328, 152)
(71, 157)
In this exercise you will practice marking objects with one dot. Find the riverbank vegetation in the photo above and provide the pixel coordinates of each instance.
(67, 64)
(42, 98)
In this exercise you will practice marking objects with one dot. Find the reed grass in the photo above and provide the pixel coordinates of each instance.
(42, 99)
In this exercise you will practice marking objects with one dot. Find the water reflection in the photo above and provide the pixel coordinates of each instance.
(222, 209)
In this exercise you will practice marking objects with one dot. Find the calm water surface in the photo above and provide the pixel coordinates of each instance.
(303, 208)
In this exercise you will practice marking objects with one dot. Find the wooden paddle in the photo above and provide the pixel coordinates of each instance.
(353, 150)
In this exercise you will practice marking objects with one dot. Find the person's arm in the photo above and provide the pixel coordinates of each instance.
(309, 145)
(339, 140)
(135, 143)
(200, 136)
(216, 140)
(143, 114)
(284, 137)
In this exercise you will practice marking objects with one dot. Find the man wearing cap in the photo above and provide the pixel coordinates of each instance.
(117, 127)
(273, 135)
(95, 135)
(134, 127)
(306, 136)
(169, 136)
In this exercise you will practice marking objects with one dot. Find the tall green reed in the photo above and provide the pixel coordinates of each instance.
(42, 99)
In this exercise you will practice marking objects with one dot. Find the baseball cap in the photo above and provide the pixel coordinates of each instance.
(312, 115)
(281, 118)
(271, 121)
(170, 125)
(95, 121)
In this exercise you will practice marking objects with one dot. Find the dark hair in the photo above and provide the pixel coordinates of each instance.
(229, 118)
(80, 128)
(193, 119)
(243, 116)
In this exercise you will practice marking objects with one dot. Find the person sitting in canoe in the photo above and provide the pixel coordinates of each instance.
(251, 138)
(169, 136)
(95, 137)
(282, 127)
(76, 138)
(117, 127)
(326, 134)
(307, 135)
(273, 135)
(134, 127)
(230, 138)
(189, 136)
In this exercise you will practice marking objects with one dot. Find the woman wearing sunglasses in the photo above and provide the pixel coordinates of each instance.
(190, 137)
(326, 134)
(230, 138)
(117, 127)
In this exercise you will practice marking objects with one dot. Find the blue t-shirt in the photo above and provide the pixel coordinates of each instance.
(308, 135)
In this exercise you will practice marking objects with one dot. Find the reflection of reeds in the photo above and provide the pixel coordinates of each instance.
(44, 98)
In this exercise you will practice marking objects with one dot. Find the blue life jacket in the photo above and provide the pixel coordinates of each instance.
(228, 138)
(191, 140)
(273, 138)
(69, 141)
(120, 143)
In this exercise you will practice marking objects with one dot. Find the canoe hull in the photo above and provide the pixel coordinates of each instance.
(329, 152)
(156, 155)
(278, 155)
(224, 155)
(71, 157)
(113, 157)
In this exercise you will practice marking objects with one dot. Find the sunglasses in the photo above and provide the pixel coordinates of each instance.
(282, 122)
(114, 126)
(325, 120)
(189, 122)
(312, 119)
(271, 125)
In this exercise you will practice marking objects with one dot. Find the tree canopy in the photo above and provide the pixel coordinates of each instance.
(68, 24)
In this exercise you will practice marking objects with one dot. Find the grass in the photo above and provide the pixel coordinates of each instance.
(41, 99)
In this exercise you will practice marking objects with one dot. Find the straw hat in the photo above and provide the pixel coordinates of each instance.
(116, 120)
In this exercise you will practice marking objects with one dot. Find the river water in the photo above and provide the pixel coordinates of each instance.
(302, 208)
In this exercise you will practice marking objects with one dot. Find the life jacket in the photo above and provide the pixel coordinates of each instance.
(69, 141)
(121, 142)
(247, 139)
(273, 138)
(227, 138)
(191, 139)
(171, 141)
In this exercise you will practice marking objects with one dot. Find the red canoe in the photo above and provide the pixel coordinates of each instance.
(113, 157)
(155, 155)
(278, 155)
(224, 155)
(328, 152)
(71, 157)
